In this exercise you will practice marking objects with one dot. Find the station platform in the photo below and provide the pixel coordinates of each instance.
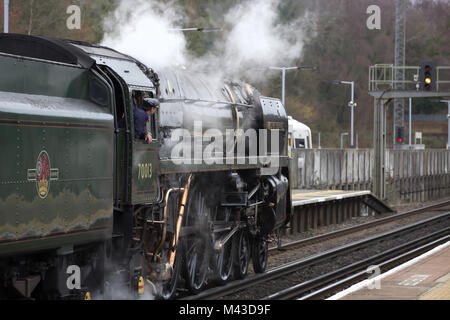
(426, 277)
(317, 208)
(304, 197)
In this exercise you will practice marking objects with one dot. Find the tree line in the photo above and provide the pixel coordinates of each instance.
(337, 42)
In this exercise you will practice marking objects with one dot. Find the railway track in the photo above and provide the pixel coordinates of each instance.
(434, 228)
(333, 282)
(360, 227)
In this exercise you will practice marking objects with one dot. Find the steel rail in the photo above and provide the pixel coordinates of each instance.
(333, 281)
(360, 227)
(293, 266)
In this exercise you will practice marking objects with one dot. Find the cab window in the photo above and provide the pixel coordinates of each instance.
(300, 143)
(137, 98)
(98, 92)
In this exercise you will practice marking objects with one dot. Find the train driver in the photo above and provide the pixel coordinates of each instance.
(142, 116)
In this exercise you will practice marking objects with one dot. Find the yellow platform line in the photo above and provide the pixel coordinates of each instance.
(316, 193)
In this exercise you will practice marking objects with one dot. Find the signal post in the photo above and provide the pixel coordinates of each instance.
(427, 82)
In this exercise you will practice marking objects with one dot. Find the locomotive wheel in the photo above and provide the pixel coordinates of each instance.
(197, 263)
(241, 251)
(259, 254)
(224, 258)
(197, 250)
(225, 262)
(169, 288)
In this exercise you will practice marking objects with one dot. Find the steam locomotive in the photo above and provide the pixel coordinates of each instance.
(89, 210)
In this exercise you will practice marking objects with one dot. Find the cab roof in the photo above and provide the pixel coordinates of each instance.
(44, 48)
(132, 71)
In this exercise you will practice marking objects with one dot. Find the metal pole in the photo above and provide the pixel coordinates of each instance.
(353, 91)
(448, 126)
(342, 138)
(379, 141)
(284, 69)
(399, 63)
(410, 118)
(448, 120)
(352, 106)
(319, 147)
(351, 128)
(283, 94)
(352, 112)
(197, 29)
(6, 16)
(448, 129)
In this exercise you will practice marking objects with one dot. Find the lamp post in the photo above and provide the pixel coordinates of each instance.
(342, 138)
(352, 104)
(448, 129)
(283, 81)
(6, 16)
(410, 126)
(318, 144)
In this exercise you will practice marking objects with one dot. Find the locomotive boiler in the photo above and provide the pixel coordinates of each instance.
(78, 190)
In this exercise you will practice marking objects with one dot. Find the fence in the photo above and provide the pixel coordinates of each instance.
(411, 175)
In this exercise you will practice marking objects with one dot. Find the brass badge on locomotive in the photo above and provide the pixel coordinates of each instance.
(43, 174)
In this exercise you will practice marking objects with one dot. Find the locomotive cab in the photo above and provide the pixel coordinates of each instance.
(145, 161)
(136, 161)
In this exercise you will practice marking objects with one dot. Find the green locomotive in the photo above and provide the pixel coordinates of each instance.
(82, 196)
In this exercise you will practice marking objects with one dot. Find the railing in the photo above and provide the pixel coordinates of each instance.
(439, 81)
(411, 175)
(382, 77)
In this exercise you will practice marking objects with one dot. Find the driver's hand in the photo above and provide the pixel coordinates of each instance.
(148, 138)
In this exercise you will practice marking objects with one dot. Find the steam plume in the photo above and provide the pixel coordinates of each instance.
(141, 29)
(253, 38)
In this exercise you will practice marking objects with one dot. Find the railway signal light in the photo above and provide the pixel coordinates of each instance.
(400, 135)
(428, 76)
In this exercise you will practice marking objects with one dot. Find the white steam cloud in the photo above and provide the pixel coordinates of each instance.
(142, 29)
(253, 38)
(258, 39)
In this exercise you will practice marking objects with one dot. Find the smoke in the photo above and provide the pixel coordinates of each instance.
(142, 29)
(253, 38)
(257, 39)
(117, 288)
